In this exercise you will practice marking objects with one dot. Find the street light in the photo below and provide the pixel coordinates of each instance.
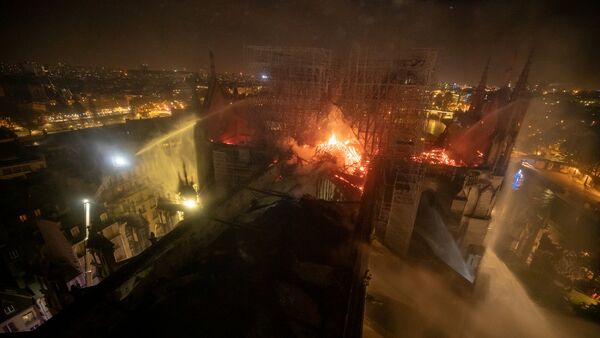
(86, 206)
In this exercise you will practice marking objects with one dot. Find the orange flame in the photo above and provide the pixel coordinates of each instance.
(438, 157)
(345, 152)
(332, 139)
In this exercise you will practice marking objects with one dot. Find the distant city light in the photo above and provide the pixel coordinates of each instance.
(264, 76)
(190, 204)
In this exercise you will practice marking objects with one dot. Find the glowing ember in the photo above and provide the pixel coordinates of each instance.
(356, 186)
(348, 154)
(438, 157)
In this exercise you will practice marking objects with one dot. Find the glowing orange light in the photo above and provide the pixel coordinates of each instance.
(345, 152)
(332, 140)
(438, 157)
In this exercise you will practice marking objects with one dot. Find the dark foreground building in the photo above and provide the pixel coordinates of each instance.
(258, 265)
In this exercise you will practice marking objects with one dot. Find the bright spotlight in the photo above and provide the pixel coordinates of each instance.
(190, 204)
(86, 207)
(264, 76)
(119, 161)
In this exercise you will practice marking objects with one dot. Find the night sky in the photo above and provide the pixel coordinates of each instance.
(177, 34)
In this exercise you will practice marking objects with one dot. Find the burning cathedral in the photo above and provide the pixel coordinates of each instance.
(357, 123)
(284, 187)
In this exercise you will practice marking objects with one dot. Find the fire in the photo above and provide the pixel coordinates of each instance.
(345, 152)
(438, 157)
(332, 140)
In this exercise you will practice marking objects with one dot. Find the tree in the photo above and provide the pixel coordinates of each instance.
(447, 100)
(26, 117)
(6, 133)
(438, 101)
(582, 148)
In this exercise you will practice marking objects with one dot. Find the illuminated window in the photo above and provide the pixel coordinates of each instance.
(37, 212)
(23, 218)
(28, 317)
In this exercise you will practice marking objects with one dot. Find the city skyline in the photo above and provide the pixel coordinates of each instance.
(165, 35)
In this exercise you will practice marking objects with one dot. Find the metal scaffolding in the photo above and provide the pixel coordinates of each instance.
(296, 83)
(382, 100)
